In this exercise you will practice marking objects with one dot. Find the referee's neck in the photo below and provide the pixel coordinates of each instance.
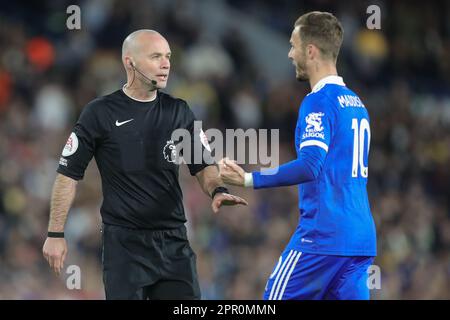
(140, 94)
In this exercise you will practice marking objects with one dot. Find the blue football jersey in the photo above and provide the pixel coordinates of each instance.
(335, 216)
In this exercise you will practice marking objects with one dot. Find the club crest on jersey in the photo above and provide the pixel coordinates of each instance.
(170, 151)
(71, 145)
(314, 128)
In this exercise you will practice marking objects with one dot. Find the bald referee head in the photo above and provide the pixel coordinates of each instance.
(146, 58)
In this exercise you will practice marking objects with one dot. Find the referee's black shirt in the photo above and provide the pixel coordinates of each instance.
(130, 141)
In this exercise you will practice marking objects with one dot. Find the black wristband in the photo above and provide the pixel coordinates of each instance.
(219, 190)
(55, 234)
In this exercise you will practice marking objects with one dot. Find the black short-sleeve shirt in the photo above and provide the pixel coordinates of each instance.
(131, 143)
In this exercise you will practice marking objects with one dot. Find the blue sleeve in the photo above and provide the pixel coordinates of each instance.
(306, 167)
(315, 124)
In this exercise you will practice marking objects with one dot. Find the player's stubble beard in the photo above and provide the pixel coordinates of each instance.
(300, 68)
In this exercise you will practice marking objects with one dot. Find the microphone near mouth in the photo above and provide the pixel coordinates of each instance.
(153, 82)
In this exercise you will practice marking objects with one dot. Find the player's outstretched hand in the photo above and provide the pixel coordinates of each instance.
(55, 251)
(226, 199)
(231, 172)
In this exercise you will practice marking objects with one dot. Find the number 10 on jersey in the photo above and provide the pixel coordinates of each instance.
(359, 142)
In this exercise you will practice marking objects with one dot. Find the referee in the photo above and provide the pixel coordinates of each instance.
(146, 253)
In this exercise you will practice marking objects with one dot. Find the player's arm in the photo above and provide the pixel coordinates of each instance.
(305, 168)
(315, 122)
(55, 249)
(213, 186)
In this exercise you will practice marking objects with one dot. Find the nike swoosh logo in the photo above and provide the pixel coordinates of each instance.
(118, 124)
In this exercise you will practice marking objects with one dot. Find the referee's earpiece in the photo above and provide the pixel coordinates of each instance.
(133, 65)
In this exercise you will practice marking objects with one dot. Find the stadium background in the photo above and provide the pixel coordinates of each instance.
(230, 63)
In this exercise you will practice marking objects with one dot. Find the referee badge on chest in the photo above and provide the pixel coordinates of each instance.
(170, 151)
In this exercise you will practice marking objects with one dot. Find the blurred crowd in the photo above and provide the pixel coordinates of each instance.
(401, 72)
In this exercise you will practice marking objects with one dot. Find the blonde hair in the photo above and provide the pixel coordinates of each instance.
(323, 30)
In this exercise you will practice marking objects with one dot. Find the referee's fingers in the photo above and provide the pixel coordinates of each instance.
(51, 262)
(58, 265)
(45, 255)
(63, 258)
(55, 262)
(215, 206)
(239, 200)
(235, 199)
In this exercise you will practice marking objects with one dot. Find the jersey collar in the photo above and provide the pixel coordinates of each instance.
(328, 80)
(138, 100)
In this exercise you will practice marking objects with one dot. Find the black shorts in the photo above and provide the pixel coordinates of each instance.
(148, 264)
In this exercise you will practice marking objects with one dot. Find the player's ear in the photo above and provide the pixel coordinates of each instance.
(312, 51)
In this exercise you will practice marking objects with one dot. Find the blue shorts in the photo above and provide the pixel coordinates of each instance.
(305, 276)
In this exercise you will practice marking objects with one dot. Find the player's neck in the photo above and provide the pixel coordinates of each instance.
(322, 71)
(139, 92)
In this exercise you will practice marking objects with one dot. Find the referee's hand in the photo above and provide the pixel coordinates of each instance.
(226, 199)
(55, 251)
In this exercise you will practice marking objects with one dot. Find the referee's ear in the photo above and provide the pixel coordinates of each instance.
(129, 62)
